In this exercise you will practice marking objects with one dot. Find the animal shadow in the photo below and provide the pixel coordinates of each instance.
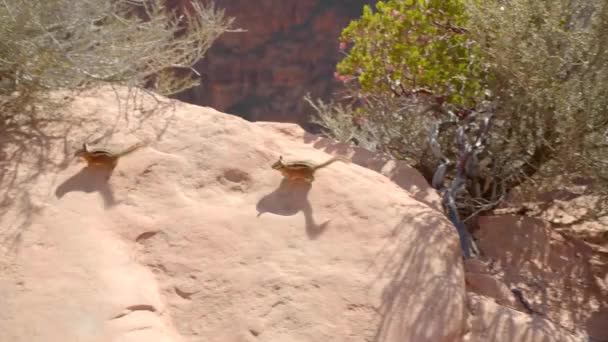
(288, 199)
(89, 179)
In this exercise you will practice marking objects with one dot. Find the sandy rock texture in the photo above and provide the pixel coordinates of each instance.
(195, 238)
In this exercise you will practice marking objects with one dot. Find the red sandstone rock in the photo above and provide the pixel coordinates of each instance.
(195, 238)
(553, 273)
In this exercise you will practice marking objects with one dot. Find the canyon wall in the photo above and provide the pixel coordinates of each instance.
(290, 48)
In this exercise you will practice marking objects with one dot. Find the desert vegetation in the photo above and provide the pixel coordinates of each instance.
(60, 44)
(483, 97)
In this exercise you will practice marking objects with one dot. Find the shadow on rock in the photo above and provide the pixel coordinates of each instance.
(89, 179)
(288, 199)
(409, 268)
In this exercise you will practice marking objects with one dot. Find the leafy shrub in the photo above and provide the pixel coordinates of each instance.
(417, 45)
(509, 90)
(551, 83)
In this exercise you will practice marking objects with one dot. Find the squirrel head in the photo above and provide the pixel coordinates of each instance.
(82, 151)
(278, 164)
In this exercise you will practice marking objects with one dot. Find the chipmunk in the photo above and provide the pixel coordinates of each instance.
(303, 169)
(103, 156)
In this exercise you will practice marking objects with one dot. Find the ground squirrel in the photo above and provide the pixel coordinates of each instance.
(303, 169)
(103, 156)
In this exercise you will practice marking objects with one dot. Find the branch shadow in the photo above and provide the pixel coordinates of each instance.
(290, 198)
(89, 179)
(411, 312)
(28, 150)
(505, 326)
(38, 136)
(15, 226)
(405, 260)
(553, 272)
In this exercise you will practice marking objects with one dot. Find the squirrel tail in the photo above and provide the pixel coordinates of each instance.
(332, 160)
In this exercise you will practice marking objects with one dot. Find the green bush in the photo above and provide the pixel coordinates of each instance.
(510, 91)
(414, 45)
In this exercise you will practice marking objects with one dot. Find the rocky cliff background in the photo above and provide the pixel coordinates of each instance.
(290, 48)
